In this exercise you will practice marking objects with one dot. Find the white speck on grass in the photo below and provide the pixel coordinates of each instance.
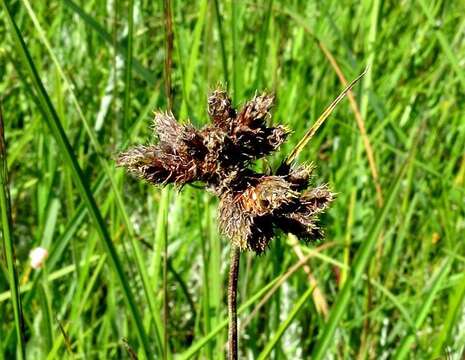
(38, 256)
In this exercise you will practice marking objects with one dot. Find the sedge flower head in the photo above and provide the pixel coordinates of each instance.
(253, 206)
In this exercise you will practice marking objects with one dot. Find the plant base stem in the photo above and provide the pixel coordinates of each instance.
(232, 302)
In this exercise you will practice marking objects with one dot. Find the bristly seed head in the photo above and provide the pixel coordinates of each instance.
(252, 205)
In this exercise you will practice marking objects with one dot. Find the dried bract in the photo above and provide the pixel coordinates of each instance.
(253, 206)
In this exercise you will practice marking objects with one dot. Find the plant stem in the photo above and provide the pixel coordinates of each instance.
(232, 302)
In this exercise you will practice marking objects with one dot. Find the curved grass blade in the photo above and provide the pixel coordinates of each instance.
(5, 212)
(54, 124)
(140, 263)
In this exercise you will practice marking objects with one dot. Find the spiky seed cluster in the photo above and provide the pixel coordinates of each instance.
(252, 205)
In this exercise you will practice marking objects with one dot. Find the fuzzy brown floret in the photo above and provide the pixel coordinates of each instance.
(253, 206)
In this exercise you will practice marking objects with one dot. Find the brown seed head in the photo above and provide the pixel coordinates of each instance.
(253, 206)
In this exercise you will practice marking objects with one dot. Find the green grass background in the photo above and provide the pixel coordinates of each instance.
(391, 268)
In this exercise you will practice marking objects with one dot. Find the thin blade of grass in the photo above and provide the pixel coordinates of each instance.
(224, 59)
(422, 312)
(205, 273)
(301, 144)
(353, 103)
(90, 21)
(54, 124)
(446, 47)
(263, 46)
(46, 318)
(285, 324)
(8, 244)
(141, 266)
(128, 67)
(193, 57)
(235, 49)
(169, 38)
(222, 324)
(453, 311)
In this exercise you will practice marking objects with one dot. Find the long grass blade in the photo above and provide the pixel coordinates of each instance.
(423, 310)
(54, 124)
(141, 266)
(47, 317)
(194, 349)
(224, 59)
(169, 39)
(193, 57)
(143, 72)
(453, 311)
(285, 324)
(128, 67)
(361, 259)
(450, 53)
(8, 244)
(301, 144)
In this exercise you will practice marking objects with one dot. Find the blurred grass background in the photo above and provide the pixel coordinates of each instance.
(388, 281)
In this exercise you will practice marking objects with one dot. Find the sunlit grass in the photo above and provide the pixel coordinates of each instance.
(393, 277)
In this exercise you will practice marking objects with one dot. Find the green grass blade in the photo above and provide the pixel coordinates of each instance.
(453, 310)
(141, 266)
(194, 57)
(205, 273)
(285, 324)
(263, 47)
(194, 349)
(136, 65)
(224, 59)
(128, 67)
(422, 312)
(235, 50)
(446, 47)
(54, 124)
(361, 259)
(8, 244)
(46, 317)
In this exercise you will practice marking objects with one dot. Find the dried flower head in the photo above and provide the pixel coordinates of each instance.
(252, 205)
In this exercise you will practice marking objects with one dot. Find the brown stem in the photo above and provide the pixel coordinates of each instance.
(232, 302)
